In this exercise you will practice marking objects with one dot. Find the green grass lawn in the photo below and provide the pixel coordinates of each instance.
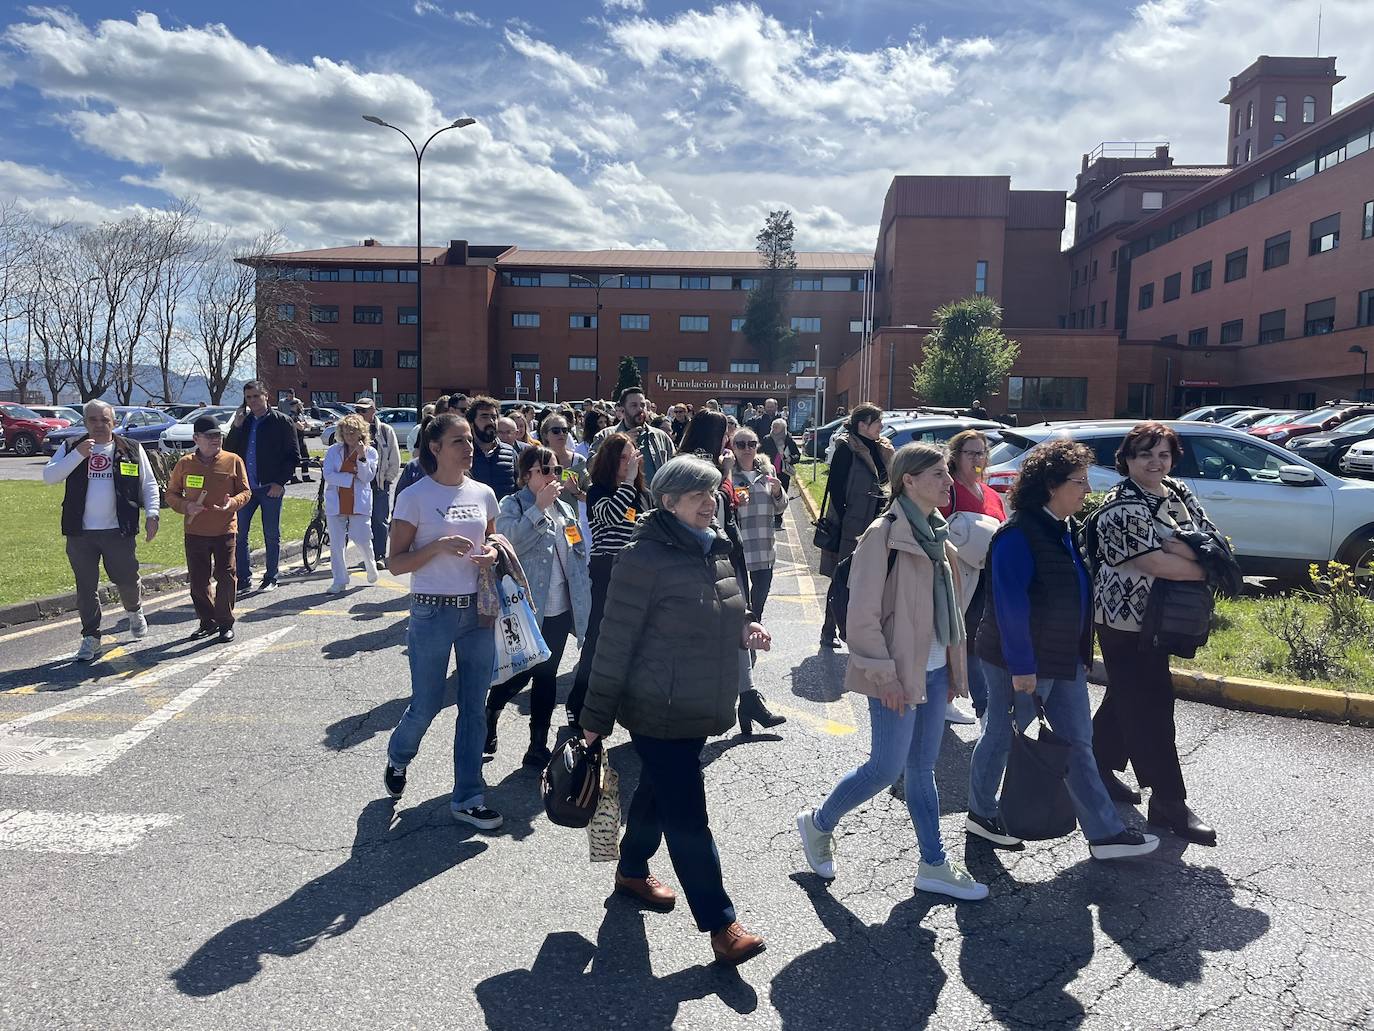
(33, 561)
(1243, 644)
(805, 468)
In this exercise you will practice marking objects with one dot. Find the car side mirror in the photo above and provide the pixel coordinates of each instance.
(1297, 476)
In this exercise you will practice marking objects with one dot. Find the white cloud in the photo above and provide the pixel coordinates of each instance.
(29, 179)
(633, 6)
(470, 18)
(566, 70)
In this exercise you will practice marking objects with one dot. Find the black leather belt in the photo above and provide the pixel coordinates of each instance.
(449, 601)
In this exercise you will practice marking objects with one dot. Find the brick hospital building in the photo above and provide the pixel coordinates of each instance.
(1247, 280)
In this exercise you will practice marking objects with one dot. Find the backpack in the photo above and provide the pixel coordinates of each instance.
(837, 595)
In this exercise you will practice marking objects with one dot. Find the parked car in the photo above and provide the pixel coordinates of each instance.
(816, 441)
(936, 429)
(1359, 459)
(1214, 413)
(1280, 511)
(402, 420)
(177, 439)
(1327, 449)
(1255, 416)
(177, 409)
(63, 413)
(144, 425)
(1330, 416)
(25, 430)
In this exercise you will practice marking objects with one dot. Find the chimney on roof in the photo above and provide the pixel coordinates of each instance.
(457, 252)
(370, 242)
(1162, 153)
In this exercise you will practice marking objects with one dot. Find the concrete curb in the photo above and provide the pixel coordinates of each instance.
(60, 604)
(1243, 693)
(806, 501)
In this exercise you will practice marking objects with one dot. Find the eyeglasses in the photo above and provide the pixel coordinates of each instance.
(561, 431)
(551, 470)
(746, 444)
(1081, 481)
(974, 454)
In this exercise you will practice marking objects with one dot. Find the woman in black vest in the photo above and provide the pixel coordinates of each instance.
(1036, 639)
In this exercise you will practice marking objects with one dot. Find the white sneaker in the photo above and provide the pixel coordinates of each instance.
(372, 575)
(817, 844)
(89, 647)
(138, 625)
(335, 588)
(954, 714)
(949, 878)
(1128, 843)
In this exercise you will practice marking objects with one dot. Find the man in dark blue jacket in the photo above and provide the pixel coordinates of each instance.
(493, 462)
(266, 441)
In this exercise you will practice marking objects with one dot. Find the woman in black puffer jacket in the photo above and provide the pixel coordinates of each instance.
(667, 669)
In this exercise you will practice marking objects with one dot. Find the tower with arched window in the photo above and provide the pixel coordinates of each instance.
(1275, 99)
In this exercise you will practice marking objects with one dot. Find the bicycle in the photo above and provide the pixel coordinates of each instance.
(316, 537)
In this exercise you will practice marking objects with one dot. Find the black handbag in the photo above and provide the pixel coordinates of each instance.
(570, 785)
(1178, 617)
(827, 536)
(1035, 803)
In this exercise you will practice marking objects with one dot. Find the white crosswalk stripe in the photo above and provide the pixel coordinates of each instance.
(102, 834)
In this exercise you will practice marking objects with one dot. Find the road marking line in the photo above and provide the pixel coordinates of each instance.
(102, 834)
(824, 724)
(326, 612)
(161, 602)
(239, 653)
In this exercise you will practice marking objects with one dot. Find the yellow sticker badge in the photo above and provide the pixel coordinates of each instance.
(128, 468)
(629, 515)
(197, 481)
(573, 534)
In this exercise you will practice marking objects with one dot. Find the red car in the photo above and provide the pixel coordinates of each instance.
(1320, 421)
(25, 429)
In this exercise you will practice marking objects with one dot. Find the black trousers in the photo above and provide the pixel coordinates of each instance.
(1135, 721)
(600, 570)
(670, 803)
(544, 694)
(760, 583)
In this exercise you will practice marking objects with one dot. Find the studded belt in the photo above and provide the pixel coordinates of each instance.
(449, 601)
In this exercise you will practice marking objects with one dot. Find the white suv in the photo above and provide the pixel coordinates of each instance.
(1280, 511)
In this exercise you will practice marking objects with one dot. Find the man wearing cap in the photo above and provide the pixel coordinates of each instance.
(208, 487)
(266, 441)
(106, 480)
(388, 471)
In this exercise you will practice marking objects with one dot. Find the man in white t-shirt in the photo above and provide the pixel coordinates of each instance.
(106, 479)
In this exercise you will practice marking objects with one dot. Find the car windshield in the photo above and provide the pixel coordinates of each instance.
(20, 412)
(216, 412)
(1273, 420)
(1316, 418)
(1010, 447)
(1361, 425)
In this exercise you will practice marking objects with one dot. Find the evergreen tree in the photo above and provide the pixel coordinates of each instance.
(966, 357)
(627, 376)
(765, 313)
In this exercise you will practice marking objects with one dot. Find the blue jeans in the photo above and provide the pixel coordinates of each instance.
(1066, 706)
(381, 518)
(977, 684)
(271, 533)
(909, 739)
(670, 802)
(433, 633)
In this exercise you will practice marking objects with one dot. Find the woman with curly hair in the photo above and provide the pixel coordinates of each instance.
(1035, 642)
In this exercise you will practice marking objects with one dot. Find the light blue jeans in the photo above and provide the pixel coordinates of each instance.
(909, 739)
(434, 633)
(1068, 711)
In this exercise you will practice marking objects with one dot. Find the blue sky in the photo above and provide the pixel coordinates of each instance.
(633, 123)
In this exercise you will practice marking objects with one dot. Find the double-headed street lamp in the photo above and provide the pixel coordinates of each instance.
(596, 284)
(1364, 376)
(419, 263)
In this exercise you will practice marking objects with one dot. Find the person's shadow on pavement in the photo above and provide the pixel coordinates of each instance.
(573, 983)
(386, 862)
(868, 976)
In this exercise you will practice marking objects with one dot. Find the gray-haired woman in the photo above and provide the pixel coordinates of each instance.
(667, 669)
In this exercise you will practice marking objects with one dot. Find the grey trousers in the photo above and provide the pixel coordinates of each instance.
(85, 552)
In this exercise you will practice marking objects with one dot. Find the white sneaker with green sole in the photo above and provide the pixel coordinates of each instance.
(949, 878)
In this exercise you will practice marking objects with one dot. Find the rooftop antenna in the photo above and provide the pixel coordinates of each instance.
(1319, 30)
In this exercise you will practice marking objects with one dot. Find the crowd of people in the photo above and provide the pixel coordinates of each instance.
(650, 542)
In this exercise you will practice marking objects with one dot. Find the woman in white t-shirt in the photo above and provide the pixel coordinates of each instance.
(438, 535)
(541, 524)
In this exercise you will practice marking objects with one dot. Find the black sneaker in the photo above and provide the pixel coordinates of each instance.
(479, 816)
(1124, 845)
(267, 585)
(537, 755)
(993, 831)
(395, 780)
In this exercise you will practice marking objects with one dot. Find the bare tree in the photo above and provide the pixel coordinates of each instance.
(237, 293)
(14, 273)
(188, 253)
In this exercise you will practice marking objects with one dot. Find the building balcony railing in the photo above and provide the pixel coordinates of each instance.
(1126, 149)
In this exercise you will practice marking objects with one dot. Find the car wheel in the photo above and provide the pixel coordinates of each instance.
(1358, 554)
(24, 445)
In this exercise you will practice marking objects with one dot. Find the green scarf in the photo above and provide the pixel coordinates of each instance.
(931, 533)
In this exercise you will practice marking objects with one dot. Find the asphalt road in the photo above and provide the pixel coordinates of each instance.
(196, 836)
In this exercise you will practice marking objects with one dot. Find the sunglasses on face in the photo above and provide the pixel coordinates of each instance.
(551, 470)
(746, 444)
(561, 431)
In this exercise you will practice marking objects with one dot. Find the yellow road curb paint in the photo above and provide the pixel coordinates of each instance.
(822, 723)
(325, 612)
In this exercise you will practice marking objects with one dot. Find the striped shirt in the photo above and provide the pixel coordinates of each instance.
(612, 514)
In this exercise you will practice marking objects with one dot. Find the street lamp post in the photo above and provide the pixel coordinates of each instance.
(597, 284)
(1364, 375)
(419, 262)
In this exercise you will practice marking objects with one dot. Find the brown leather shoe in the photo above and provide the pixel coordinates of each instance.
(650, 891)
(734, 945)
